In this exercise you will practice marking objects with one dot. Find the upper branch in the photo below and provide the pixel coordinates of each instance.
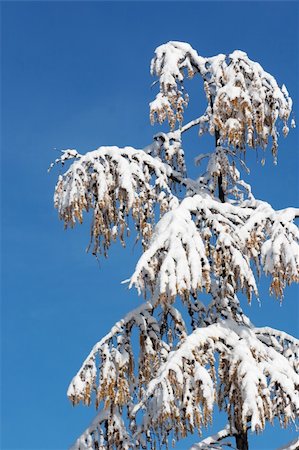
(244, 102)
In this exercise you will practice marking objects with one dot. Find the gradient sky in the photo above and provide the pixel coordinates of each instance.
(76, 75)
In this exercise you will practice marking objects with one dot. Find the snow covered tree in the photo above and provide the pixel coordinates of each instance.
(198, 349)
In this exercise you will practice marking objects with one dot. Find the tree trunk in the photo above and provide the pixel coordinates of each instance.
(242, 440)
(220, 187)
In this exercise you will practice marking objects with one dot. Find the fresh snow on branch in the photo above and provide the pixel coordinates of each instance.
(117, 361)
(253, 376)
(195, 351)
(114, 182)
(257, 379)
(203, 236)
(243, 100)
(214, 442)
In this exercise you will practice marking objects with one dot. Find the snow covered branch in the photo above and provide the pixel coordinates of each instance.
(214, 442)
(203, 236)
(256, 382)
(219, 165)
(114, 383)
(293, 445)
(93, 436)
(107, 430)
(169, 63)
(244, 102)
(111, 371)
(114, 182)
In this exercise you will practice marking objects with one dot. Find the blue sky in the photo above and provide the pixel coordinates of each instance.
(76, 75)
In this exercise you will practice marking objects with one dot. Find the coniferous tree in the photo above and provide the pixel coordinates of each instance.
(213, 243)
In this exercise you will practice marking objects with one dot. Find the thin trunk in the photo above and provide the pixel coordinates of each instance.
(220, 186)
(220, 189)
(242, 440)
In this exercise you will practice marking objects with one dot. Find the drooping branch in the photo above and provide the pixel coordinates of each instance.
(247, 101)
(94, 436)
(251, 373)
(202, 236)
(285, 344)
(114, 182)
(119, 360)
(179, 396)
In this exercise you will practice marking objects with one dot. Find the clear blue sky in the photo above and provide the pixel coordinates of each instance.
(76, 75)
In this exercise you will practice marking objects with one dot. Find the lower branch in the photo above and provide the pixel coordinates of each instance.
(294, 445)
(210, 441)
